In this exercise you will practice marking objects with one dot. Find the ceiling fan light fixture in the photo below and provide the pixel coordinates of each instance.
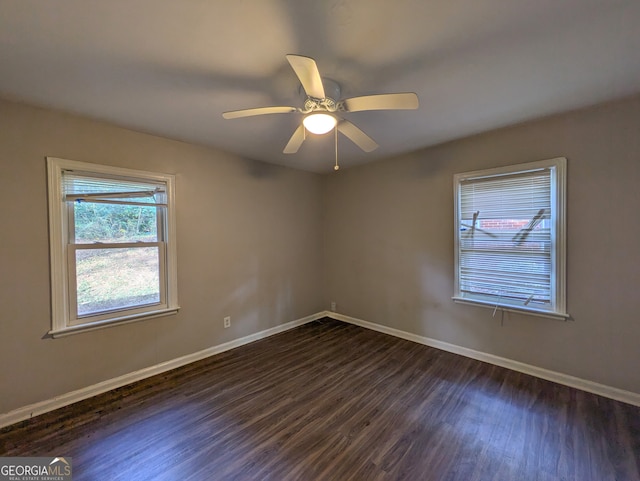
(321, 110)
(319, 123)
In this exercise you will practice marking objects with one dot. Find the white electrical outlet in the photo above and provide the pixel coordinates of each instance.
(227, 322)
(333, 306)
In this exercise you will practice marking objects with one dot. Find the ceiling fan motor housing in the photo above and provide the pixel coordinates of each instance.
(329, 103)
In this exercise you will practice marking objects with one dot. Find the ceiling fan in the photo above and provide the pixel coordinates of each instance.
(322, 106)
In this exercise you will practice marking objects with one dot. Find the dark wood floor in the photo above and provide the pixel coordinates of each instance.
(332, 401)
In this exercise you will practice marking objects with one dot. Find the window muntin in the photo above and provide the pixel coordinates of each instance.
(510, 237)
(112, 242)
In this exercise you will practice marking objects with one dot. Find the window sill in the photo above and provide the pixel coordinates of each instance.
(518, 310)
(92, 326)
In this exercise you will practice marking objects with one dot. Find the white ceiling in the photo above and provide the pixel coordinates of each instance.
(172, 67)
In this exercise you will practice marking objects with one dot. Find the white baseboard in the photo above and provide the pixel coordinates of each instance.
(42, 407)
(558, 377)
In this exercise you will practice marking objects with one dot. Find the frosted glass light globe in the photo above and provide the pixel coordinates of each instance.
(319, 123)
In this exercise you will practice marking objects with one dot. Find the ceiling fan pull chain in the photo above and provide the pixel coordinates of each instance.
(336, 167)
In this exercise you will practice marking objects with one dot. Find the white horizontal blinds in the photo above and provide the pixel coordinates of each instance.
(131, 209)
(79, 187)
(505, 238)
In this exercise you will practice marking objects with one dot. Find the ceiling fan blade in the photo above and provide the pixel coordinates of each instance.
(295, 141)
(400, 101)
(308, 74)
(235, 114)
(357, 136)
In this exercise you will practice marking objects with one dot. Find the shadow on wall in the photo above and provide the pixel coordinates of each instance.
(261, 170)
(260, 302)
(431, 163)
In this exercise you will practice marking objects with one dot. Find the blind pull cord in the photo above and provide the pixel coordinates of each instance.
(496, 307)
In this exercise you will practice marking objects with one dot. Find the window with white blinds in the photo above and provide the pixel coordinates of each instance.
(510, 237)
(112, 245)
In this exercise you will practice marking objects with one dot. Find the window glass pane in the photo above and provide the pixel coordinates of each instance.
(96, 222)
(117, 278)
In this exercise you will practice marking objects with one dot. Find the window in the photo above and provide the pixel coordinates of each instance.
(510, 237)
(112, 240)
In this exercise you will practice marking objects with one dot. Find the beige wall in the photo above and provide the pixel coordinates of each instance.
(389, 244)
(249, 246)
(267, 245)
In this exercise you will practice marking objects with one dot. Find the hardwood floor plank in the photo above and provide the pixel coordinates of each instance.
(333, 401)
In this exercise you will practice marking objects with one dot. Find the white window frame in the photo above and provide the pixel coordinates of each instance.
(63, 304)
(558, 168)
